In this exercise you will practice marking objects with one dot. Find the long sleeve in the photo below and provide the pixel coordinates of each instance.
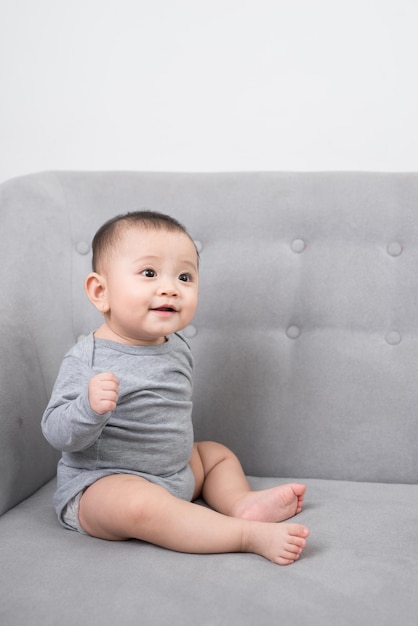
(69, 424)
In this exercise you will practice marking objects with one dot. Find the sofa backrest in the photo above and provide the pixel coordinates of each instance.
(306, 335)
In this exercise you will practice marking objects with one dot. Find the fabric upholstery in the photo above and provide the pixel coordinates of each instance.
(305, 343)
(360, 568)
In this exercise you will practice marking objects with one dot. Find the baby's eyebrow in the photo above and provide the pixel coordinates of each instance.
(189, 263)
(147, 256)
(150, 258)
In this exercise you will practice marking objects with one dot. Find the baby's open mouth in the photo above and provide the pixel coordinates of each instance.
(168, 309)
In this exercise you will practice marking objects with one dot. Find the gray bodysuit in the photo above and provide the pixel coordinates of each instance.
(150, 432)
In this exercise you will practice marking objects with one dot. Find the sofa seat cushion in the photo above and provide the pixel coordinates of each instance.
(356, 557)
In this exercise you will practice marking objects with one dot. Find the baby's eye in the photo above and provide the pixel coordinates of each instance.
(185, 277)
(148, 273)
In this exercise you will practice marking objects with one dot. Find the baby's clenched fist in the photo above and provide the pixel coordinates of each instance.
(103, 392)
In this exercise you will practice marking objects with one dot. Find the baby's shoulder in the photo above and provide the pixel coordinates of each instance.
(82, 350)
(180, 343)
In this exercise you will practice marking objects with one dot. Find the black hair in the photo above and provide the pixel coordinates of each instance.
(108, 234)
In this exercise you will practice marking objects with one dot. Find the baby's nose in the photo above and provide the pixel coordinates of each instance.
(168, 288)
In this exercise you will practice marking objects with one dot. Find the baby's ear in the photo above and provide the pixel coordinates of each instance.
(95, 287)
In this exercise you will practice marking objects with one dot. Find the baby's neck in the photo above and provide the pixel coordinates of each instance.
(106, 332)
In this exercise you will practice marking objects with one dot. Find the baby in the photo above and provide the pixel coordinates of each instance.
(120, 412)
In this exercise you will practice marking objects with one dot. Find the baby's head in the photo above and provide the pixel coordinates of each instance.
(107, 237)
(145, 277)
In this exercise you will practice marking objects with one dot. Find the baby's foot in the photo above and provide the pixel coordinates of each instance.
(280, 543)
(271, 505)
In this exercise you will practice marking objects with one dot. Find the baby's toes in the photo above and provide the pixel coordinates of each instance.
(287, 559)
(298, 543)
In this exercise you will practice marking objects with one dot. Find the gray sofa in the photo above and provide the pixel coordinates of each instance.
(306, 348)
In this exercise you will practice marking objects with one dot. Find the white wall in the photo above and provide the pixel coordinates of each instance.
(208, 85)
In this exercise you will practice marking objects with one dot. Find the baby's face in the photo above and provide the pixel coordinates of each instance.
(151, 286)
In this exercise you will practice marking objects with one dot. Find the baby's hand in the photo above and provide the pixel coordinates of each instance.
(103, 392)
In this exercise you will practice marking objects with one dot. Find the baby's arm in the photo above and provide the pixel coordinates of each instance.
(80, 406)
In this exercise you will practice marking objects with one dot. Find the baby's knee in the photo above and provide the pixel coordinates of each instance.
(212, 452)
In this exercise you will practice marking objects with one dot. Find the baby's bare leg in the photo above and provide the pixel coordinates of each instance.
(122, 507)
(222, 483)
